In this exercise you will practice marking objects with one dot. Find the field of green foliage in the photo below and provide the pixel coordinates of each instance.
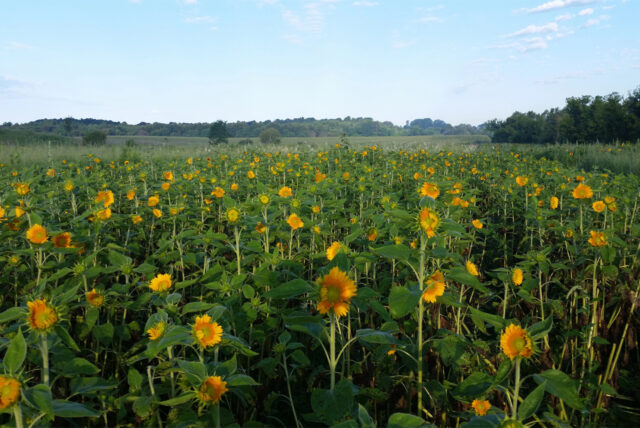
(339, 283)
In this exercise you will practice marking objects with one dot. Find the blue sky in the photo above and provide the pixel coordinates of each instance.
(397, 60)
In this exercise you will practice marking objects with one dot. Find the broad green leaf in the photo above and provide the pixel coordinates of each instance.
(475, 385)
(289, 289)
(69, 409)
(562, 386)
(376, 336)
(540, 329)
(399, 251)
(40, 396)
(403, 300)
(12, 314)
(16, 353)
(530, 404)
(241, 380)
(405, 420)
(461, 276)
(187, 396)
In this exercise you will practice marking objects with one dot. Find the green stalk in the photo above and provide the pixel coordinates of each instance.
(332, 349)
(45, 359)
(17, 413)
(236, 233)
(516, 389)
(423, 246)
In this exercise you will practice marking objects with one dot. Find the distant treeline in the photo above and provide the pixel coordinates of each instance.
(300, 127)
(585, 119)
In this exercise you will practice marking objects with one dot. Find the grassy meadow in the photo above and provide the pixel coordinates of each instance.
(360, 282)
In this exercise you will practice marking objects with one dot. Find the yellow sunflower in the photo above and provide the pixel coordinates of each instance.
(41, 315)
(295, 222)
(582, 191)
(285, 192)
(207, 333)
(336, 291)
(62, 240)
(481, 407)
(430, 189)
(157, 331)
(161, 282)
(435, 287)
(515, 342)
(95, 298)
(553, 203)
(471, 268)
(9, 391)
(516, 276)
(37, 234)
(477, 224)
(598, 206)
(597, 239)
(212, 389)
(333, 250)
(428, 221)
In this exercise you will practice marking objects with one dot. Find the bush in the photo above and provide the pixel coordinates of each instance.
(270, 136)
(95, 138)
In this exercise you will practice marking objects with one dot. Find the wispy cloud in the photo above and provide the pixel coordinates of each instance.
(534, 29)
(366, 3)
(571, 75)
(311, 19)
(13, 45)
(565, 17)
(557, 4)
(523, 45)
(595, 21)
(584, 12)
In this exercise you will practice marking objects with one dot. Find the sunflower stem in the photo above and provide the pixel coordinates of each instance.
(423, 247)
(332, 349)
(236, 232)
(45, 359)
(17, 413)
(516, 389)
(173, 381)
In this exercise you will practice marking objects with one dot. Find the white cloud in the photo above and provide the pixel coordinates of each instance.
(366, 3)
(565, 17)
(534, 29)
(16, 45)
(591, 22)
(585, 12)
(311, 19)
(557, 4)
(531, 44)
(293, 38)
(429, 19)
(200, 20)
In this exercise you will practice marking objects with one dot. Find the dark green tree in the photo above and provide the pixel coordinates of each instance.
(218, 133)
(270, 136)
(68, 125)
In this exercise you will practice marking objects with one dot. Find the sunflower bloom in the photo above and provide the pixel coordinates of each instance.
(320, 177)
(553, 203)
(582, 191)
(372, 235)
(9, 391)
(522, 181)
(161, 282)
(168, 175)
(212, 389)
(251, 175)
(22, 189)
(285, 192)
(157, 331)
(477, 224)
(261, 228)
(165, 186)
(153, 201)
(157, 212)
(131, 194)
(598, 206)
(428, 221)
(233, 215)
(336, 291)
(430, 190)
(295, 222)
(41, 315)
(435, 287)
(94, 298)
(103, 214)
(62, 240)
(106, 197)
(516, 276)
(471, 268)
(135, 219)
(481, 407)
(597, 239)
(37, 234)
(515, 342)
(207, 333)
(333, 250)
(264, 199)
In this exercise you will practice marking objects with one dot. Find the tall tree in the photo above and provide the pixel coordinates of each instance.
(218, 133)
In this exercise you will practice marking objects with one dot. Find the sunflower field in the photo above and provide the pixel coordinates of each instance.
(340, 287)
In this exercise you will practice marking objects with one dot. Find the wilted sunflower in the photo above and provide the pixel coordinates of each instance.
(9, 391)
(212, 389)
(95, 298)
(336, 291)
(333, 250)
(435, 287)
(261, 228)
(37, 234)
(515, 342)
(161, 282)
(207, 333)
(62, 240)
(42, 316)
